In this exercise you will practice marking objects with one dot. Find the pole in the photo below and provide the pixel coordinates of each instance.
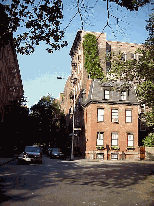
(73, 126)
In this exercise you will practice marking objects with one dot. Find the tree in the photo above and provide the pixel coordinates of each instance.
(14, 126)
(49, 121)
(149, 140)
(39, 21)
(139, 73)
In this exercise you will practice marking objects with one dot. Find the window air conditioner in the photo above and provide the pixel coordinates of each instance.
(115, 120)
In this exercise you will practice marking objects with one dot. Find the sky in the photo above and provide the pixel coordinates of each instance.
(39, 70)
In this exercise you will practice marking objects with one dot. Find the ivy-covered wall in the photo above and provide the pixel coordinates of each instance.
(92, 62)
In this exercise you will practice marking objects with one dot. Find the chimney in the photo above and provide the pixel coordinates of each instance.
(88, 83)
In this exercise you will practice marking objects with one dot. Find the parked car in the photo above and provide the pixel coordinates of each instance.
(56, 153)
(31, 154)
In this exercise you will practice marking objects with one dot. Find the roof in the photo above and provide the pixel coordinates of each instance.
(96, 93)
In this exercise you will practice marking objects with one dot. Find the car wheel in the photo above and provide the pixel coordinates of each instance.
(40, 162)
(19, 162)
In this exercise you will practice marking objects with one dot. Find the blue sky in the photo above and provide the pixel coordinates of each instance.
(39, 71)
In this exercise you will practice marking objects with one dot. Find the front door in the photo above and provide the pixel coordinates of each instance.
(142, 153)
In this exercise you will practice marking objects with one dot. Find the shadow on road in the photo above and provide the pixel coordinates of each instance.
(22, 182)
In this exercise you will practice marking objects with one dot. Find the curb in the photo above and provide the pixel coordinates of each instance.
(6, 162)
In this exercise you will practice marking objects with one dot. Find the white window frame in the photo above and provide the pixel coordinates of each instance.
(123, 95)
(133, 56)
(106, 94)
(142, 108)
(100, 139)
(130, 140)
(100, 114)
(114, 139)
(100, 155)
(114, 115)
(124, 56)
(128, 116)
(114, 156)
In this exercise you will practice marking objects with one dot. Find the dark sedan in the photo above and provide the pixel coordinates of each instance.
(31, 154)
(56, 153)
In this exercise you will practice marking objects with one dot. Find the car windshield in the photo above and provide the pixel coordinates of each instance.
(55, 150)
(32, 149)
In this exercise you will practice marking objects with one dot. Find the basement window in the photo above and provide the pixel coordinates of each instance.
(114, 156)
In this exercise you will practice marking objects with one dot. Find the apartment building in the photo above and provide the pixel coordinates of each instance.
(107, 119)
(11, 87)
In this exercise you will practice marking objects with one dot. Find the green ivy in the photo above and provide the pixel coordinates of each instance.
(92, 63)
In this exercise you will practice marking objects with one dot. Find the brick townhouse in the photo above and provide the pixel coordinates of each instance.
(111, 122)
(108, 119)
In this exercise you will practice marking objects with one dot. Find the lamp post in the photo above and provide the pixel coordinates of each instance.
(73, 83)
(72, 157)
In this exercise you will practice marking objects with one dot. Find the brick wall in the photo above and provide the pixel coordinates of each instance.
(92, 126)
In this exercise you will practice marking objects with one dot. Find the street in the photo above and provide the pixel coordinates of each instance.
(67, 183)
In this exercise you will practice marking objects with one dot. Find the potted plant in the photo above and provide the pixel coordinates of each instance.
(115, 147)
(100, 147)
(130, 148)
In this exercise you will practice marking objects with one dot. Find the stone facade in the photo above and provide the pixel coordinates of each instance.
(90, 95)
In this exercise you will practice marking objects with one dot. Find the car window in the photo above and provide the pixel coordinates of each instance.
(32, 149)
(55, 150)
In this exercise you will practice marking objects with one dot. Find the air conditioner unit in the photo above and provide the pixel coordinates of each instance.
(115, 120)
(74, 64)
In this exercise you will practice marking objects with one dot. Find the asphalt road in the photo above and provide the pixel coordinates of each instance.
(75, 183)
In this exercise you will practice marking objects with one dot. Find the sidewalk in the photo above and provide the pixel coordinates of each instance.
(84, 160)
(5, 160)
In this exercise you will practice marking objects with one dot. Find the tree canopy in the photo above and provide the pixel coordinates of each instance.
(48, 121)
(42, 21)
(139, 72)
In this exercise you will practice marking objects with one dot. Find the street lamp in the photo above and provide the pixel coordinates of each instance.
(73, 83)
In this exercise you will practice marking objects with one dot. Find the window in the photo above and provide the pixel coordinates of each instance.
(100, 138)
(108, 66)
(142, 126)
(106, 94)
(114, 140)
(100, 115)
(142, 108)
(132, 56)
(128, 116)
(123, 95)
(123, 57)
(114, 156)
(100, 155)
(79, 57)
(114, 115)
(130, 140)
